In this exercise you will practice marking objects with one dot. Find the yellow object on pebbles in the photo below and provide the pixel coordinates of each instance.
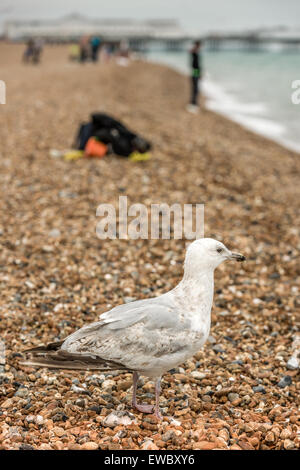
(139, 157)
(73, 154)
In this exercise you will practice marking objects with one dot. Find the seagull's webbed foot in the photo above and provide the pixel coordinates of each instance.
(143, 407)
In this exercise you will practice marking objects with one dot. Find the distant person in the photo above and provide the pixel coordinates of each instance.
(123, 53)
(84, 49)
(37, 50)
(107, 52)
(124, 49)
(196, 74)
(29, 51)
(95, 45)
(74, 54)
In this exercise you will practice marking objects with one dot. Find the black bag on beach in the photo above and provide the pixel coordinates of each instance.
(112, 133)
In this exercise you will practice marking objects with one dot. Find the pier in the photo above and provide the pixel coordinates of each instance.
(164, 34)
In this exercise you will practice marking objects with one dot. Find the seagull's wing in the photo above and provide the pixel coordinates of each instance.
(134, 336)
(154, 310)
(159, 312)
(125, 315)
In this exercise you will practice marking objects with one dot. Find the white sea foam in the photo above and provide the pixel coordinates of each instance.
(218, 99)
(246, 114)
(257, 115)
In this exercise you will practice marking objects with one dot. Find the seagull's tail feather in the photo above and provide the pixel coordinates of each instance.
(49, 347)
(53, 357)
(67, 365)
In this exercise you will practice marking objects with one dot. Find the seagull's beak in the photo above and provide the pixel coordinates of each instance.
(237, 256)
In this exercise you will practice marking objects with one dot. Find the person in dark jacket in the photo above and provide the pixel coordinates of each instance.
(95, 46)
(196, 69)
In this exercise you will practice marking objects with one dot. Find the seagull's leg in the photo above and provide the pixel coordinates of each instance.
(135, 381)
(143, 408)
(157, 393)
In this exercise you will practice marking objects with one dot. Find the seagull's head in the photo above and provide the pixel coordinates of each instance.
(206, 254)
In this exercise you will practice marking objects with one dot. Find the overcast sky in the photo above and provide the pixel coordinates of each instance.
(195, 15)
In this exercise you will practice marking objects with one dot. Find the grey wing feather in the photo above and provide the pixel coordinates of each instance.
(159, 312)
(155, 312)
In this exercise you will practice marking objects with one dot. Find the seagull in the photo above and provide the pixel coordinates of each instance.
(146, 337)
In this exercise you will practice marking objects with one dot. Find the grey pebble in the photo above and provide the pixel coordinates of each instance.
(285, 381)
(233, 396)
(292, 363)
(259, 389)
(218, 348)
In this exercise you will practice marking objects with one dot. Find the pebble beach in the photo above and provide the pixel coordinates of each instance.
(241, 391)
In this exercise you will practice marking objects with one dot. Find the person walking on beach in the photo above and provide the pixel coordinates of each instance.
(38, 49)
(196, 69)
(95, 45)
(33, 51)
(84, 49)
(29, 51)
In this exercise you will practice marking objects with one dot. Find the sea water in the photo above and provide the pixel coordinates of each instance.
(253, 88)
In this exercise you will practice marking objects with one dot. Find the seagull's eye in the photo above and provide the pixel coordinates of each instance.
(220, 250)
